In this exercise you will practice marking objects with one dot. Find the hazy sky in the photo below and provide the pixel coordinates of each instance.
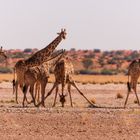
(103, 24)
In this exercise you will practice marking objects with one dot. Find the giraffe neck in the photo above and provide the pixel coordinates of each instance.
(44, 54)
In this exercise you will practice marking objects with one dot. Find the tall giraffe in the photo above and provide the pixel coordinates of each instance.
(38, 58)
(20, 69)
(134, 73)
(44, 54)
(63, 75)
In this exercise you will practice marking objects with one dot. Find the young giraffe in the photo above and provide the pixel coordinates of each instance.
(20, 69)
(63, 75)
(134, 73)
(47, 68)
(36, 75)
(38, 58)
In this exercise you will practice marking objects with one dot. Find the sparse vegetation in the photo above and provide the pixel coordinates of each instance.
(87, 63)
(119, 96)
(135, 101)
(93, 79)
(7, 101)
(5, 70)
(93, 100)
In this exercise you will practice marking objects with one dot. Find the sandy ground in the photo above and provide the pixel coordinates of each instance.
(109, 122)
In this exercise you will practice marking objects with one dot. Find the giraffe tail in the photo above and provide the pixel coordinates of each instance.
(14, 82)
(128, 85)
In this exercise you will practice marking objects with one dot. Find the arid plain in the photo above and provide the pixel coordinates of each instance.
(108, 121)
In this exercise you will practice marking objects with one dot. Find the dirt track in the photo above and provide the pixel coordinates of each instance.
(110, 121)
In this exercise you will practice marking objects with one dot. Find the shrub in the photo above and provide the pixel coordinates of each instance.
(108, 72)
(135, 101)
(5, 70)
(88, 72)
(119, 96)
(93, 100)
(87, 63)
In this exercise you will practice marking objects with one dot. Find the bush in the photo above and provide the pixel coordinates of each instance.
(5, 70)
(28, 50)
(108, 72)
(88, 72)
(18, 55)
(119, 96)
(87, 63)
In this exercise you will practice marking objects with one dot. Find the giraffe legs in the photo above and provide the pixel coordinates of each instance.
(135, 91)
(25, 89)
(16, 92)
(69, 90)
(55, 96)
(126, 99)
(24, 97)
(43, 85)
(32, 94)
(37, 92)
(49, 93)
(133, 84)
(74, 85)
(62, 97)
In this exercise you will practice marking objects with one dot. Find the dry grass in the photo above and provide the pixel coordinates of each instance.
(6, 77)
(97, 79)
(93, 100)
(7, 101)
(135, 101)
(119, 96)
(92, 79)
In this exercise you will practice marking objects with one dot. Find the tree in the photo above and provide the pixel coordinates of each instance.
(28, 50)
(87, 63)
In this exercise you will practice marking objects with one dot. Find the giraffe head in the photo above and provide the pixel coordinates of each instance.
(62, 99)
(62, 34)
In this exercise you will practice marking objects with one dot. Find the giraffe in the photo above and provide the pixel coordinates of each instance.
(2, 53)
(50, 65)
(63, 75)
(20, 69)
(134, 73)
(38, 77)
(37, 91)
(38, 58)
(45, 54)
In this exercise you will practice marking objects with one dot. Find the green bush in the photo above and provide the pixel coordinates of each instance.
(108, 72)
(5, 70)
(87, 63)
(88, 72)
